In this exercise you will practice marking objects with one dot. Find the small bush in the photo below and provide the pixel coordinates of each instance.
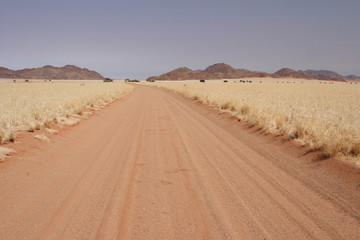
(128, 80)
(11, 137)
(48, 124)
(244, 110)
(202, 80)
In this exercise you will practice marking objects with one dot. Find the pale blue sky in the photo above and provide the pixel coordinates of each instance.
(138, 38)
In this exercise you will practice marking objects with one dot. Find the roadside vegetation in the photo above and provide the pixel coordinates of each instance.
(322, 115)
(35, 105)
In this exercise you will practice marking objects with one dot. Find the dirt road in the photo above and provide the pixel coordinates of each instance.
(158, 166)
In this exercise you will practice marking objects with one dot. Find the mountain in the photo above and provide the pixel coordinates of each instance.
(315, 73)
(216, 71)
(309, 74)
(222, 70)
(352, 78)
(179, 74)
(6, 73)
(328, 75)
(324, 75)
(287, 72)
(50, 72)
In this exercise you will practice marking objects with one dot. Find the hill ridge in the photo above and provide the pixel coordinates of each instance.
(223, 70)
(51, 72)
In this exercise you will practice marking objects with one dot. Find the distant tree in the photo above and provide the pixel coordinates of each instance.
(202, 80)
(128, 80)
(225, 80)
(108, 80)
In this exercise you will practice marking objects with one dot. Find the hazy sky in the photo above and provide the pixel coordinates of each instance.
(139, 38)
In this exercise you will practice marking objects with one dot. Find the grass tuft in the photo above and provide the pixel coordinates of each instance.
(4, 152)
(42, 138)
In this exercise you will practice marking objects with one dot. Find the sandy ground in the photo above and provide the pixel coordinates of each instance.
(159, 166)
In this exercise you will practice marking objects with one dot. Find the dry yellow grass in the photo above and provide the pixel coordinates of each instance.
(42, 137)
(4, 152)
(323, 116)
(30, 106)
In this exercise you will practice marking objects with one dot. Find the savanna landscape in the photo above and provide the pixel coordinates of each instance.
(230, 153)
(151, 120)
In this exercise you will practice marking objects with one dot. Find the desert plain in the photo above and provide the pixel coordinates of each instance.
(270, 159)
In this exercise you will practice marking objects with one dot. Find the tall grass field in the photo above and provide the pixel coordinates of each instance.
(34, 105)
(322, 115)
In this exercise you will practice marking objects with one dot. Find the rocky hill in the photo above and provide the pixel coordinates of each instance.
(315, 73)
(50, 72)
(309, 74)
(222, 70)
(216, 71)
(179, 74)
(352, 78)
(287, 72)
